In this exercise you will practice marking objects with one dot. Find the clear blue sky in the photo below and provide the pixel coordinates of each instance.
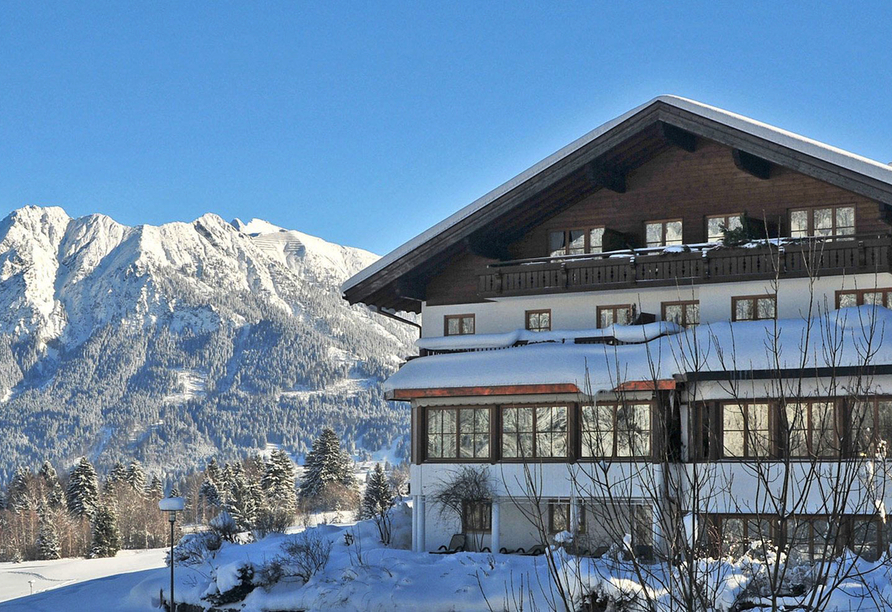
(366, 122)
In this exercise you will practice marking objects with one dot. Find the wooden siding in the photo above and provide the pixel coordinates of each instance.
(675, 183)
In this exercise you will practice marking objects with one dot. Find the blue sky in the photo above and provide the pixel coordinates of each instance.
(365, 123)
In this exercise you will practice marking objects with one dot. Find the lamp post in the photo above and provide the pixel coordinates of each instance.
(172, 505)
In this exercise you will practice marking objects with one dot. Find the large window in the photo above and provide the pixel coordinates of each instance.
(458, 433)
(811, 429)
(620, 429)
(534, 432)
(874, 297)
(663, 233)
(871, 426)
(745, 430)
(560, 517)
(615, 315)
(686, 314)
(716, 224)
(538, 320)
(476, 517)
(740, 533)
(575, 241)
(825, 221)
(753, 308)
(458, 325)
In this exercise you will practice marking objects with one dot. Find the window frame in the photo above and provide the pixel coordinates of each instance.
(727, 221)
(613, 456)
(770, 428)
(860, 293)
(580, 517)
(614, 308)
(535, 457)
(852, 447)
(527, 314)
(810, 221)
(839, 442)
(684, 311)
(587, 246)
(476, 509)
(754, 299)
(663, 223)
(459, 317)
(457, 458)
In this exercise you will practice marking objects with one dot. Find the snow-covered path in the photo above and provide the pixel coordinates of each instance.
(72, 584)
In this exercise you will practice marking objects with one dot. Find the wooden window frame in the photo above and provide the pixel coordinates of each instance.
(753, 298)
(587, 247)
(720, 426)
(810, 212)
(459, 317)
(580, 517)
(534, 457)
(663, 223)
(718, 520)
(614, 308)
(725, 218)
(860, 293)
(457, 458)
(852, 449)
(541, 311)
(614, 456)
(836, 439)
(684, 311)
(481, 509)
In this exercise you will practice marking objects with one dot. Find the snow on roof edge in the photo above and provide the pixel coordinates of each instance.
(791, 140)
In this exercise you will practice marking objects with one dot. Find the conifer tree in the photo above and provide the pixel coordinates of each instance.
(241, 503)
(116, 476)
(212, 471)
(106, 538)
(378, 497)
(210, 493)
(278, 482)
(326, 464)
(83, 490)
(17, 498)
(48, 545)
(136, 476)
(156, 489)
(174, 491)
(53, 492)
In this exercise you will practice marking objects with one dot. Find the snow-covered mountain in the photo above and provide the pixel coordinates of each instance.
(174, 342)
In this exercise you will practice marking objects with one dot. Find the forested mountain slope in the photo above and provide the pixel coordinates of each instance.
(176, 342)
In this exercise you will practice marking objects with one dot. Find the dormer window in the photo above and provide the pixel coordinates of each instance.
(825, 221)
(458, 325)
(575, 241)
(663, 233)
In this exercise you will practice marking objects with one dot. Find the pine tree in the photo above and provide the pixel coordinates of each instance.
(378, 497)
(241, 503)
(83, 489)
(55, 495)
(17, 498)
(174, 491)
(278, 482)
(210, 494)
(156, 489)
(212, 471)
(136, 476)
(106, 538)
(326, 464)
(116, 476)
(48, 545)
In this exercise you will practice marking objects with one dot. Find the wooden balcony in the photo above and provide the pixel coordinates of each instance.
(699, 264)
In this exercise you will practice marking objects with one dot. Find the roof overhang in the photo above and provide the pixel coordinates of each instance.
(591, 163)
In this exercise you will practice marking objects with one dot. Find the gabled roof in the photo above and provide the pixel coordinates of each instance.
(627, 141)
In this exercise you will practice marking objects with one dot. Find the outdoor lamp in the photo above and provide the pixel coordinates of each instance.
(172, 505)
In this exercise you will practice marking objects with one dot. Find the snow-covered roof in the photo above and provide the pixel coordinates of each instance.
(623, 333)
(850, 161)
(849, 337)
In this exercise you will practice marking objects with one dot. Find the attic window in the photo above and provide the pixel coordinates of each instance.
(575, 241)
(663, 233)
(715, 223)
(824, 222)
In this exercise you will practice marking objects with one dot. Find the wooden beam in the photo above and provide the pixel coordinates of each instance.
(606, 176)
(751, 164)
(408, 394)
(678, 137)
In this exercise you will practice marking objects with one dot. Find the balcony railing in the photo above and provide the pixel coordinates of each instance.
(695, 264)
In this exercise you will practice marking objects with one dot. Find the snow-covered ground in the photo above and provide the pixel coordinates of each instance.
(79, 584)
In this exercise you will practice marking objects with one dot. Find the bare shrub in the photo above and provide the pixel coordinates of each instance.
(305, 554)
(196, 548)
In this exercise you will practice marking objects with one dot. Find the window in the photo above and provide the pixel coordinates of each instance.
(616, 430)
(534, 431)
(753, 308)
(476, 517)
(538, 320)
(559, 518)
(685, 314)
(827, 221)
(615, 315)
(454, 433)
(458, 325)
(811, 429)
(575, 241)
(875, 297)
(871, 425)
(715, 223)
(663, 233)
(739, 533)
(811, 538)
(745, 430)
